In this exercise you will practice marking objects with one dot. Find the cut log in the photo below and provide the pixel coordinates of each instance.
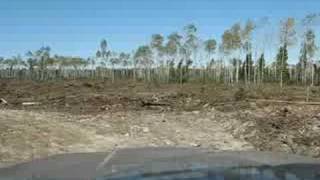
(31, 103)
(3, 101)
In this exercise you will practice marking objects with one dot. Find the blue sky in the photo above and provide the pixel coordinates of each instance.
(75, 27)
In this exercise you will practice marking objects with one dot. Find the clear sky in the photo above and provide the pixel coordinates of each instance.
(75, 27)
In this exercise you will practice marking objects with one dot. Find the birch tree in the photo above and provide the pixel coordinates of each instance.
(210, 46)
(172, 50)
(287, 39)
(246, 46)
(309, 45)
(231, 42)
(157, 49)
(310, 48)
(103, 53)
(143, 58)
(192, 41)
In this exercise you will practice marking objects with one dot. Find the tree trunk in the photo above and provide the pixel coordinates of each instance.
(112, 74)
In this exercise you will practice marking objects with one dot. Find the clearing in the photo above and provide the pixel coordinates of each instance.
(42, 119)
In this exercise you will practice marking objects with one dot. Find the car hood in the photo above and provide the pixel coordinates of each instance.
(152, 162)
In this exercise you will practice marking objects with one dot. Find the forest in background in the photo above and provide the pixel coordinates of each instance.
(185, 57)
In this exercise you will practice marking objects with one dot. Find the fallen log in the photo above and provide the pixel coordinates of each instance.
(228, 103)
(284, 102)
(148, 103)
(267, 101)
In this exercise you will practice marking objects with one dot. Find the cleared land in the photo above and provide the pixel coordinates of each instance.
(42, 119)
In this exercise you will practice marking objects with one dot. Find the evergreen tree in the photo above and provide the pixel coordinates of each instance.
(261, 67)
(248, 68)
(282, 63)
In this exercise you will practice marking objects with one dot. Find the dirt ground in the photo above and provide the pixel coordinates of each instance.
(41, 119)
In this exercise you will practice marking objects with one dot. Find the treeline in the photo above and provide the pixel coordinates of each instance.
(179, 58)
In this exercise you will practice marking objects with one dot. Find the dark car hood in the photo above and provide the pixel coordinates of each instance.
(123, 163)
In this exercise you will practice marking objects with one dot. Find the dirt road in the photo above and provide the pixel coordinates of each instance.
(28, 135)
